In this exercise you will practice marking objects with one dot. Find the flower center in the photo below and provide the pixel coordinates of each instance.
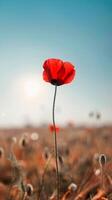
(55, 82)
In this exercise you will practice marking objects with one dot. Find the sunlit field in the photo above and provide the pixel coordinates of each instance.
(27, 163)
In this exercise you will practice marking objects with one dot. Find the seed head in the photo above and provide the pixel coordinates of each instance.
(23, 142)
(29, 190)
(102, 160)
(34, 136)
(72, 187)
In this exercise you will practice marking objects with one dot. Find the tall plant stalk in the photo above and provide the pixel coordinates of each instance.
(55, 143)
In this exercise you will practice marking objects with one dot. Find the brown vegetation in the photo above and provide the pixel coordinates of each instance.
(27, 164)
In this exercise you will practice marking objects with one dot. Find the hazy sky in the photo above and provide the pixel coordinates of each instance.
(79, 31)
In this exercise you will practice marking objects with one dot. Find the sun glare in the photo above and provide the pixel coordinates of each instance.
(31, 87)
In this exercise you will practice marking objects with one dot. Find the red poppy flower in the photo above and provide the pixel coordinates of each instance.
(58, 72)
(52, 128)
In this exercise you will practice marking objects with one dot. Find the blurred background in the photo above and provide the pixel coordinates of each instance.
(78, 31)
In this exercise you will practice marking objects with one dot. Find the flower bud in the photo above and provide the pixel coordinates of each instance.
(29, 190)
(102, 160)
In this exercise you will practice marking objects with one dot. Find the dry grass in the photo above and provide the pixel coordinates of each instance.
(25, 162)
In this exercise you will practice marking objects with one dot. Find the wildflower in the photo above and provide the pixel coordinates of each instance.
(52, 128)
(58, 72)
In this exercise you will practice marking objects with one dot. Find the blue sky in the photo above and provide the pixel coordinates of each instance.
(78, 31)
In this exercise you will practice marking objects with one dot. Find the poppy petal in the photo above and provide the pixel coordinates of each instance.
(45, 76)
(69, 72)
(54, 66)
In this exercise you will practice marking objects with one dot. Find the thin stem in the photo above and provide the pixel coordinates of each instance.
(24, 196)
(102, 178)
(55, 143)
(43, 175)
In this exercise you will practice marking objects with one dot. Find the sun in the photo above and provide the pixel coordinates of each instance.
(31, 87)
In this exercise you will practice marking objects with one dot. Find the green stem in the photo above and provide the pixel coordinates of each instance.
(55, 143)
